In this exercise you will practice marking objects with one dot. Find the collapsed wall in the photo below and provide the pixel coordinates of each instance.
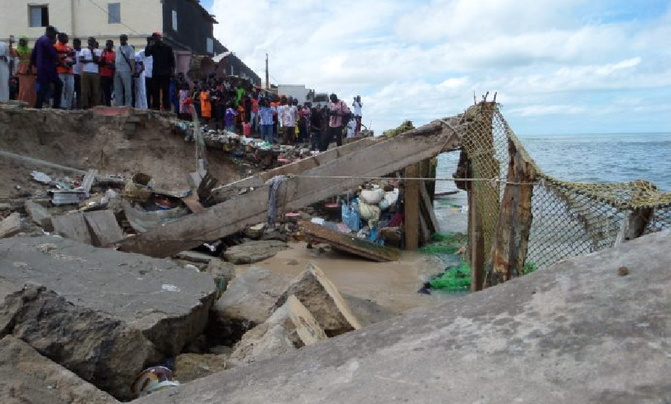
(115, 141)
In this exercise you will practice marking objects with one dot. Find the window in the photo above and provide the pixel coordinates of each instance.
(114, 13)
(38, 16)
(209, 44)
(174, 20)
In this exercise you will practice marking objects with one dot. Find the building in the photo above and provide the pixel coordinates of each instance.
(186, 25)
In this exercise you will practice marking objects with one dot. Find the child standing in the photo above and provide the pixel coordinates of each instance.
(230, 118)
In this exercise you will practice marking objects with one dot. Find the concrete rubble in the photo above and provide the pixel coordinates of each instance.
(130, 310)
(254, 251)
(291, 326)
(28, 377)
(579, 331)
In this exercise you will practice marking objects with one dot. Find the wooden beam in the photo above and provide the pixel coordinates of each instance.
(232, 189)
(411, 207)
(476, 244)
(313, 185)
(352, 245)
(509, 249)
(427, 209)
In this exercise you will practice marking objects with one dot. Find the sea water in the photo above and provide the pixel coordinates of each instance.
(591, 158)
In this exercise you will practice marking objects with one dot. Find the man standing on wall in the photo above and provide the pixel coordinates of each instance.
(90, 57)
(66, 59)
(123, 75)
(107, 66)
(77, 71)
(163, 68)
(357, 105)
(337, 110)
(45, 58)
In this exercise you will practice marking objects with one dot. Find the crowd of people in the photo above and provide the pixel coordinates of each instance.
(58, 75)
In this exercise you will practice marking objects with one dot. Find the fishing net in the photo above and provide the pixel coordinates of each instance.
(568, 218)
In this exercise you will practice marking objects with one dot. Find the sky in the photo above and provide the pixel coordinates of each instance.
(557, 66)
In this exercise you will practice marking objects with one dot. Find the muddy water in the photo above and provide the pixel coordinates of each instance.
(393, 285)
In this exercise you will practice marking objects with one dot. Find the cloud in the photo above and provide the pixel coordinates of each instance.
(425, 59)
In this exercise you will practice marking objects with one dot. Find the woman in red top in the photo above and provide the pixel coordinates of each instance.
(107, 71)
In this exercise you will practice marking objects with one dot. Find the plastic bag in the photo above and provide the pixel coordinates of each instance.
(350, 216)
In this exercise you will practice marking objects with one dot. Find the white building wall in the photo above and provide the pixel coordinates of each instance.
(84, 18)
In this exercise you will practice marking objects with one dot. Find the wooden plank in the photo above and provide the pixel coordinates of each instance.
(424, 231)
(509, 249)
(232, 189)
(411, 207)
(103, 227)
(191, 202)
(353, 245)
(73, 227)
(10, 225)
(427, 209)
(311, 186)
(477, 245)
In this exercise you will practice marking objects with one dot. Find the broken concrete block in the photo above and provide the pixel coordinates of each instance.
(262, 342)
(192, 366)
(103, 227)
(149, 298)
(254, 251)
(72, 226)
(28, 377)
(92, 344)
(247, 302)
(323, 300)
(292, 322)
(221, 270)
(299, 324)
(39, 215)
(10, 225)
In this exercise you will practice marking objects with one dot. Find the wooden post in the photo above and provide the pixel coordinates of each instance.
(509, 249)
(477, 244)
(633, 226)
(411, 207)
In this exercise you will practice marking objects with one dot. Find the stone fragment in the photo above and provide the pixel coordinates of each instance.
(254, 251)
(128, 296)
(103, 228)
(72, 226)
(95, 346)
(292, 322)
(39, 215)
(10, 225)
(219, 269)
(323, 300)
(28, 377)
(247, 302)
(192, 366)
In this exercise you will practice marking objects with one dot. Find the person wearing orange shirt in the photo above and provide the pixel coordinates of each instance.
(205, 104)
(66, 59)
(107, 67)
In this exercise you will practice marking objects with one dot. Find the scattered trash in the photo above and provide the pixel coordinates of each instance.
(41, 177)
(153, 379)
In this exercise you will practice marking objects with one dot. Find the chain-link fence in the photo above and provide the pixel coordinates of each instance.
(568, 218)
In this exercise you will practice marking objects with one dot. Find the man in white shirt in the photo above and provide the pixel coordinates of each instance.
(148, 62)
(357, 105)
(89, 57)
(123, 74)
(77, 71)
(140, 89)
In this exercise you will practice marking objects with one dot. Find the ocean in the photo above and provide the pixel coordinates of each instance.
(596, 158)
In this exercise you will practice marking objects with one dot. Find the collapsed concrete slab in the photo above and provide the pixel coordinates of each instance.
(323, 300)
(92, 344)
(291, 323)
(254, 251)
(28, 377)
(191, 366)
(582, 331)
(106, 296)
(247, 302)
